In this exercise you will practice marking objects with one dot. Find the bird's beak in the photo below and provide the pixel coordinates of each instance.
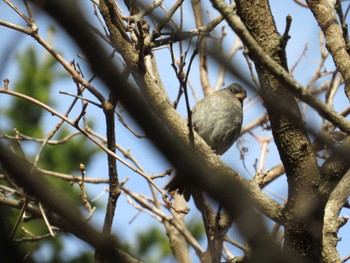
(241, 96)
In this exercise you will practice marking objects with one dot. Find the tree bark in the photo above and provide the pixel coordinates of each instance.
(303, 215)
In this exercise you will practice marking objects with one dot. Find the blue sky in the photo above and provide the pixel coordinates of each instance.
(303, 31)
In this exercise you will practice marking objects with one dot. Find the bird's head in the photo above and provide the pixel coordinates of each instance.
(238, 91)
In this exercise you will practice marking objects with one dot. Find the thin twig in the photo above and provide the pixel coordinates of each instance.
(245, 249)
(19, 218)
(85, 133)
(81, 98)
(49, 227)
(177, 224)
(26, 19)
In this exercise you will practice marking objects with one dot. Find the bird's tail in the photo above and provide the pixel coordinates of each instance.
(175, 184)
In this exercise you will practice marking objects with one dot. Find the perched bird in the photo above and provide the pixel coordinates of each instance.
(218, 120)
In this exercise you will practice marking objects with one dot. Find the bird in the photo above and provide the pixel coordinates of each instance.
(218, 119)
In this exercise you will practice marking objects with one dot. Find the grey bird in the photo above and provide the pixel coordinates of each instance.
(218, 120)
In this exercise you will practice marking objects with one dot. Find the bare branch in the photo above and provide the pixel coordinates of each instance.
(331, 221)
(335, 43)
(261, 58)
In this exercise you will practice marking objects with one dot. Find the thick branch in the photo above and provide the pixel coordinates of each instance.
(40, 189)
(165, 137)
(334, 168)
(203, 60)
(216, 227)
(331, 222)
(332, 31)
(177, 240)
(294, 146)
(260, 57)
(63, 223)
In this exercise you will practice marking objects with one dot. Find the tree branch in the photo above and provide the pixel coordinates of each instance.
(165, 134)
(114, 188)
(332, 223)
(289, 133)
(335, 43)
(261, 58)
